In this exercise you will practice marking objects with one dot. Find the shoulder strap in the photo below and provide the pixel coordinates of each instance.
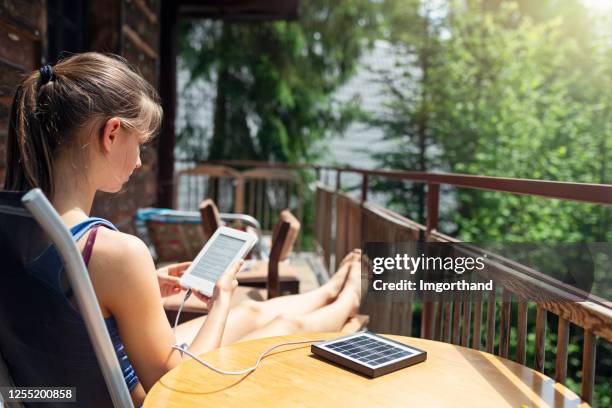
(80, 229)
(90, 224)
(91, 239)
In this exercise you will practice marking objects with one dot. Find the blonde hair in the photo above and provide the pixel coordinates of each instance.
(50, 110)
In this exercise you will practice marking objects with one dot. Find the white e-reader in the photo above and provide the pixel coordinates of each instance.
(223, 249)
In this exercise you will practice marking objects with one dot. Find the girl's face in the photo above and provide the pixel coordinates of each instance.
(121, 159)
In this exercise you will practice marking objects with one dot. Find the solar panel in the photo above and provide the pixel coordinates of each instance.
(369, 353)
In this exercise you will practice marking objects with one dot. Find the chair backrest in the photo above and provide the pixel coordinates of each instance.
(286, 245)
(211, 219)
(175, 235)
(44, 340)
(6, 380)
(284, 236)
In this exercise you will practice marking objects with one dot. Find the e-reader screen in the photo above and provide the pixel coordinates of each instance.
(217, 258)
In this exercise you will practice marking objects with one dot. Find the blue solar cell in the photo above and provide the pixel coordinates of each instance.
(369, 353)
(368, 350)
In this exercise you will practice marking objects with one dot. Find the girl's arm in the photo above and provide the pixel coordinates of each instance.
(211, 333)
(125, 282)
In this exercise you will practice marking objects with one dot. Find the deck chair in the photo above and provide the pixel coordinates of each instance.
(38, 324)
(272, 271)
(177, 236)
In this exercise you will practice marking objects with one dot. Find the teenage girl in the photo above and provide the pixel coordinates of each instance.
(77, 128)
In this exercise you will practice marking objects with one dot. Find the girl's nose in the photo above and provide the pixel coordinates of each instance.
(138, 163)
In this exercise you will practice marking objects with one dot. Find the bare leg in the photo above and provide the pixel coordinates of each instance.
(309, 301)
(326, 319)
(295, 304)
(250, 315)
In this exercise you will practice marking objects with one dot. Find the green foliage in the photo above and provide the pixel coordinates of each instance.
(510, 89)
(512, 104)
(274, 81)
(500, 89)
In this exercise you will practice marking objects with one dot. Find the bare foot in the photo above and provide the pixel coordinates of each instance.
(337, 281)
(352, 287)
(354, 255)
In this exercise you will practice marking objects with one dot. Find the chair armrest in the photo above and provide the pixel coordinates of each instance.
(244, 218)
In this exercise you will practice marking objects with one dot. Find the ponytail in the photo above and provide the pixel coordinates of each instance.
(29, 146)
(55, 107)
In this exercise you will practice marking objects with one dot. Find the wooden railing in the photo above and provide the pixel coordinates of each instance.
(343, 222)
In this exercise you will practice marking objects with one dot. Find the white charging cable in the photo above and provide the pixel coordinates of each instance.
(183, 347)
(178, 314)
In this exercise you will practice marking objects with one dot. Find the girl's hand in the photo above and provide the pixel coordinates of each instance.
(224, 288)
(169, 276)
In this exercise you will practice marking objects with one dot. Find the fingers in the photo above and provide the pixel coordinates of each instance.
(171, 280)
(228, 282)
(173, 283)
(178, 269)
(201, 296)
(230, 275)
(234, 271)
(169, 285)
(207, 300)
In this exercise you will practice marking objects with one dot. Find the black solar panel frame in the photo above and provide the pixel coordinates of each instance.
(373, 372)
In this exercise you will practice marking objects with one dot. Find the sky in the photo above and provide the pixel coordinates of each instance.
(601, 6)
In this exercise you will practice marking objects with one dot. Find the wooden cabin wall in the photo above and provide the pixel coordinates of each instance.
(127, 27)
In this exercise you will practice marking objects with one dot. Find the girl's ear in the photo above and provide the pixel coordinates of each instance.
(110, 132)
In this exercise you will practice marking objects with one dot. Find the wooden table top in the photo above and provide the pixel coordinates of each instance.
(292, 376)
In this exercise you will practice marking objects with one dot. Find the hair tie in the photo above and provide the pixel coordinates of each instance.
(46, 74)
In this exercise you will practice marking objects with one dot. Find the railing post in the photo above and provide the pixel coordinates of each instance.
(433, 205)
(490, 341)
(561, 359)
(339, 221)
(364, 188)
(363, 228)
(540, 339)
(239, 196)
(521, 338)
(433, 199)
(214, 182)
(504, 324)
(589, 346)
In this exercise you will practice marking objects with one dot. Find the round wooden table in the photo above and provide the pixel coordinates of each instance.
(452, 376)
